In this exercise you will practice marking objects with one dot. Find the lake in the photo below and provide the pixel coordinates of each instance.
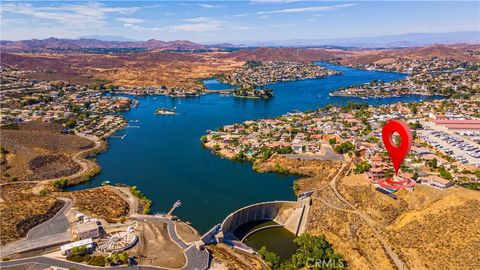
(165, 159)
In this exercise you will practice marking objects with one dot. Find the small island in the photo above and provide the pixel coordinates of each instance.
(165, 111)
(252, 92)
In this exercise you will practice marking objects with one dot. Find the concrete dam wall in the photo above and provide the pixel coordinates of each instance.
(289, 214)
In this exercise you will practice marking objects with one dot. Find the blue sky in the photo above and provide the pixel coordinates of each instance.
(234, 21)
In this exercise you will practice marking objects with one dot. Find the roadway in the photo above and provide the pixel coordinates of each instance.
(49, 233)
(196, 259)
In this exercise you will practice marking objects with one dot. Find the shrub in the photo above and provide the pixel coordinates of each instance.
(362, 167)
(97, 261)
(60, 184)
(344, 148)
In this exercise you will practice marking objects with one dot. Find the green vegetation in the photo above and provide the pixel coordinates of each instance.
(444, 173)
(203, 139)
(241, 156)
(3, 151)
(472, 186)
(433, 163)
(117, 258)
(78, 254)
(373, 139)
(139, 194)
(44, 192)
(344, 148)
(416, 125)
(70, 124)
(296, 186)
(332, 141)
(362, 167)
(60, 183)
(353, 106)
(265, 153)
(96, 261)
(313, 252)
(280, 169)
(271, 259)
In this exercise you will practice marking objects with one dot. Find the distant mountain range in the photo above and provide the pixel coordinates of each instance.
(55, 44)
(118, 42)
(390, 41)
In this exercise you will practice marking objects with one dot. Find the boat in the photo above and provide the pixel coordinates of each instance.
(165, 111)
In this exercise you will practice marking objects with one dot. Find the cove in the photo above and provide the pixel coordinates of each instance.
(164, 157)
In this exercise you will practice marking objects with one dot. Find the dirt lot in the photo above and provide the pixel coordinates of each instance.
(186, 232)
(21, 210)
(38, 151)
(224, 257)
(99, 202)
(156, 247)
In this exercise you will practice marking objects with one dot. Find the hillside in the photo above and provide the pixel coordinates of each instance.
(285, 54)
(427, 228)
(52, 44)
(461, 52)
(155, 68)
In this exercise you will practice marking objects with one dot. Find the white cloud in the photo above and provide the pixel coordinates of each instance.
(208, 6)
(130, 20)
(200, 24)
(71, 14)
(299, 10)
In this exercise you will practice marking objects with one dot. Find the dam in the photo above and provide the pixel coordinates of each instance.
(291, 215)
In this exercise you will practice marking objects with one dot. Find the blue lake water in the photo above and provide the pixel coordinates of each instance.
(165, 159)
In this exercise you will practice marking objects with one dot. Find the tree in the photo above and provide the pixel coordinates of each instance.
(444, 173)
(271, 259)
(433, 163)
(60, 183)
(362, 167)
(344, 147)
(332, 141)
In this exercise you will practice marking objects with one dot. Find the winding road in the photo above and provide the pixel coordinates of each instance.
(370, 222)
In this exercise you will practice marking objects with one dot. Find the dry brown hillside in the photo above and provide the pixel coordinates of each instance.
(37, 151)
(425, 229)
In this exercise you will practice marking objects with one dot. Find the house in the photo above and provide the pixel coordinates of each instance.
(376, 173)
(436, 181)
(298, 146)
(67, 248)
(89, 229)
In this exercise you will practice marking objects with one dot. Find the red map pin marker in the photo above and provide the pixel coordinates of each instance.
(397, 153)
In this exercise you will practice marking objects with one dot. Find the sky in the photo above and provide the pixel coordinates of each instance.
(233, 21)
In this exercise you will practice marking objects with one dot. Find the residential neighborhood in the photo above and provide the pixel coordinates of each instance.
(354, 131)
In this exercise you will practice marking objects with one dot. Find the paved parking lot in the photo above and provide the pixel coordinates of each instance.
(462, 149)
